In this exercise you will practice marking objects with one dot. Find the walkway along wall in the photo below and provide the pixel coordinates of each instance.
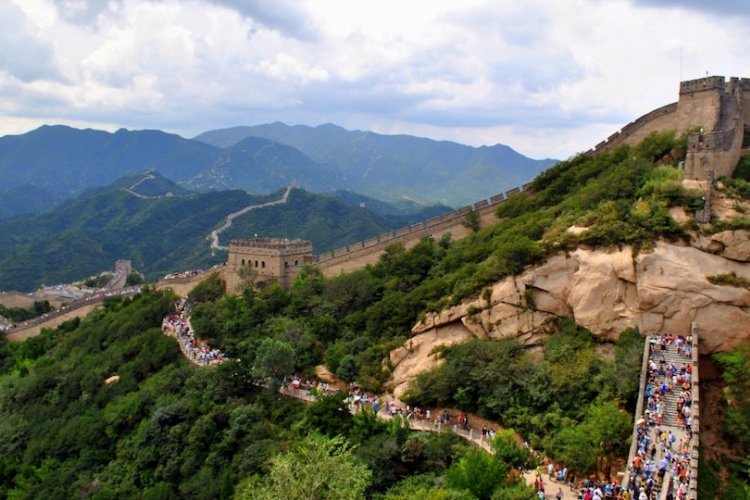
(358, 255)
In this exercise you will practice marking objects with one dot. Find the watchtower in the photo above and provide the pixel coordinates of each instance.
(266, 260)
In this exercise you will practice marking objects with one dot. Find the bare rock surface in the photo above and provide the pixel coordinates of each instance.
(606, 291)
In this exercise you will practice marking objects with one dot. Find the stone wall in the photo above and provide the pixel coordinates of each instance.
(638, 409)
(721, 108)
(719, 150)
(695, 412)
(358, 255)
(663, 118)
(268, 260)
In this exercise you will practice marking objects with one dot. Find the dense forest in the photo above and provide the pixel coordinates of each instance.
(168, 429)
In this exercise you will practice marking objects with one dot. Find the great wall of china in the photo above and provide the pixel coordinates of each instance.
(357, 255)
(720, 107)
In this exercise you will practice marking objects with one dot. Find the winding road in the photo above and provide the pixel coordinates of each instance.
(214, 236)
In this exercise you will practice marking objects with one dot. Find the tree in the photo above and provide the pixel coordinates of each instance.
(471, 221)
(134, 278)
(508, 451)
(347, 369)
(477, 472)
(575, 447)
(610, 426)
(274, 360)
(319, 467)
(329, 414)
(736, 374)
(247, 277)
(208, 290)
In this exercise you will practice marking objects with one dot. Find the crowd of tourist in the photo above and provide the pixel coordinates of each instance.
(177, 324)
(663, 444)
(190, 273)
(559, 476)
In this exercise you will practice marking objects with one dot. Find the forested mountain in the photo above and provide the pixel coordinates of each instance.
(24, 199)
(65, 161)
(161, 233)
(391, 167)
(326, 221)
(149, 184)
(55, 163)
(259, 165)
(402, 207)
(83, 236)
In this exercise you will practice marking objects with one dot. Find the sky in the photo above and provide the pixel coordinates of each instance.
(549, 78)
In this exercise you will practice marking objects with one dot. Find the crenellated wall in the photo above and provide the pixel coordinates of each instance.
(358, 255)
(720, 107)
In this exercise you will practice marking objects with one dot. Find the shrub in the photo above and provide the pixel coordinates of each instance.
(730, 279)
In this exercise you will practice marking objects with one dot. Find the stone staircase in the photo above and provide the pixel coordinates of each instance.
(670, 400)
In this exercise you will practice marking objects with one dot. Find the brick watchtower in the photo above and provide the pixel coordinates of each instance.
(266, 260)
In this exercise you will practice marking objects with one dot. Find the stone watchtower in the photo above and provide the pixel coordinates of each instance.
(717, 113)
(722, 109)
(266, 260)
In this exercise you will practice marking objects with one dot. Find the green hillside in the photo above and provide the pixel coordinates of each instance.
(150, 183)
(24, 199)
(83, 236)
(326, 221)
(168, 429)
(161, 234)
(401, 207)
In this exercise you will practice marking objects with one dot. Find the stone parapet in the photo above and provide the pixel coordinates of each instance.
(702, 84)
(695, 412)
(366, 252)
(638, 410)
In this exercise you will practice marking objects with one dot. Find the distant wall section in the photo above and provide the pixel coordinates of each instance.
(360, 254)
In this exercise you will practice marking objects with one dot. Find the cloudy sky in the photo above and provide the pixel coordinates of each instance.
(547, 77)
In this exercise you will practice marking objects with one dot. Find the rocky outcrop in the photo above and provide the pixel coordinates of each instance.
(605, 291)
(734, 245)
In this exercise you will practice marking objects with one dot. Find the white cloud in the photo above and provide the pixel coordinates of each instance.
(547, 77)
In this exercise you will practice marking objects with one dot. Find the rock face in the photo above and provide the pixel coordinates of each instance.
(662, 290)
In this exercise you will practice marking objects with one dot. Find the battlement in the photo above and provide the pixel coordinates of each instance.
(271, 246)
(359, 254)
(701, 84)
(266, 260)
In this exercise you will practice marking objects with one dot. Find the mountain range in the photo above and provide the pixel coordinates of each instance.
(55, 163)
(394, 167)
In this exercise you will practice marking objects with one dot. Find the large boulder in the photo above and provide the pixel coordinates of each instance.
(662, 290)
